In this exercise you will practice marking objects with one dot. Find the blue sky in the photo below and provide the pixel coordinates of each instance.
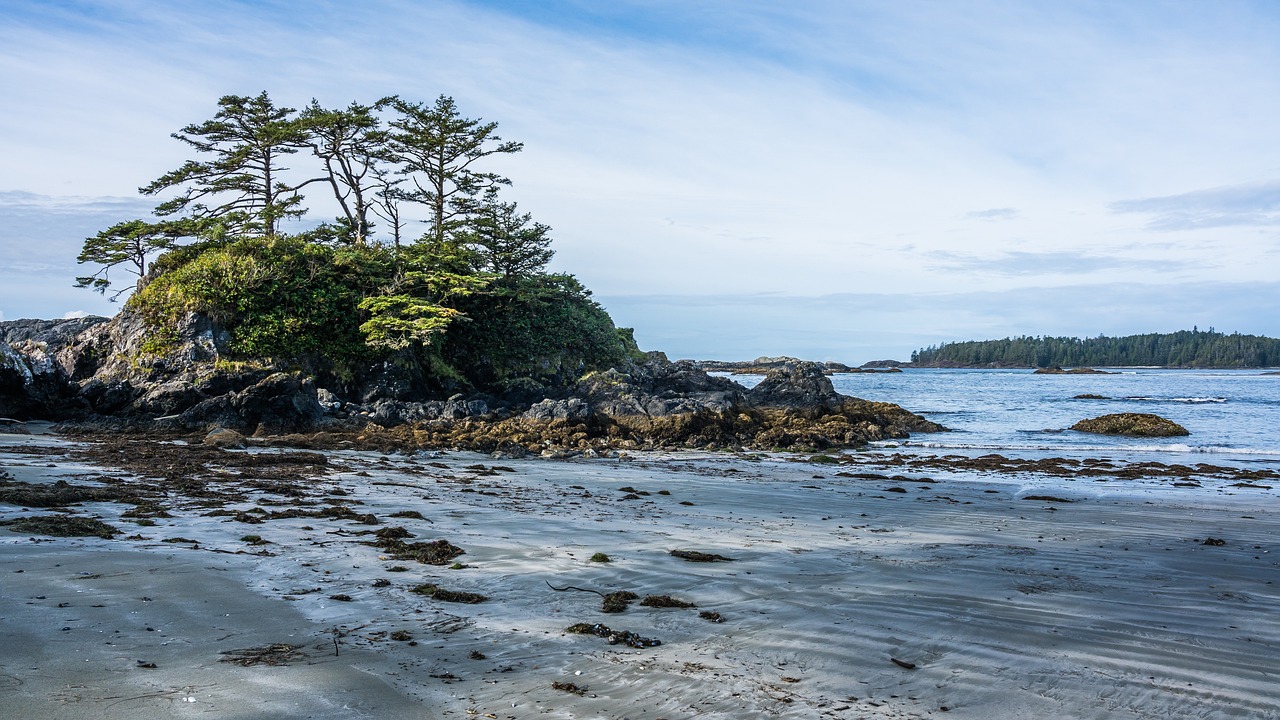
(834, 180)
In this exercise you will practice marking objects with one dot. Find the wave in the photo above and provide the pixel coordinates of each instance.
(1192, 400)
(1171, 448)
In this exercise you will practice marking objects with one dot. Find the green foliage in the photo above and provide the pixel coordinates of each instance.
(397, 321)
(545, 327)
(279, 297)
(128, 244)
(506, 242)
(1185, 348)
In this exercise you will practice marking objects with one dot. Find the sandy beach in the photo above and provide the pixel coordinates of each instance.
(868, 589)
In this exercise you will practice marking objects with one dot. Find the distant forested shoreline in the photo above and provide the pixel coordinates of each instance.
(1183, 349)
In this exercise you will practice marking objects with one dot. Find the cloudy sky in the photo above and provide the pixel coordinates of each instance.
(833, 180)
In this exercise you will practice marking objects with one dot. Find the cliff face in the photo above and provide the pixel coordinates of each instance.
(114, 373)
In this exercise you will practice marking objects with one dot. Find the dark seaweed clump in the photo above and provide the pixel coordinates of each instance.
(436, 552)
(616, 602)
(435, 592)
(62, 526)
(613, 637)
(664, 601)
(697, 556)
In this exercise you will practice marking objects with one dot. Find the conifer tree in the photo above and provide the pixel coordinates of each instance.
(243, 182)
(437, 149)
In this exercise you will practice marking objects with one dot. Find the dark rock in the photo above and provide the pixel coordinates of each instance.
(223, 438)
(796, 386)
(1131, 424)
(1056, 370)
(570, 409)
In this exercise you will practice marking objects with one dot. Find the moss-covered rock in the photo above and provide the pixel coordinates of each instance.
(1132, 425)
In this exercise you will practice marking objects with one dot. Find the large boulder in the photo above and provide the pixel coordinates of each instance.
(1132, 425)
(32, 381)
(799, 386)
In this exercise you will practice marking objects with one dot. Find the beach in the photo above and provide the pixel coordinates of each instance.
(868, 585)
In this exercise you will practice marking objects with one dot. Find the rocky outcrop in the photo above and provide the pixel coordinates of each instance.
(117, 374)
(801, 386)
(764, 365)
(1132, 425)
(1057, 370)
(33, 382)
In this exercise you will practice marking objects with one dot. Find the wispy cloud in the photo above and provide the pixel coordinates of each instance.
(992, 214)
(1256, 204)
(1017, 263)
(801, 148)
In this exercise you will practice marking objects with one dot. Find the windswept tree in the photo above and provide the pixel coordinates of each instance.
(127, 244)
(350, 143)
(506, 242)
(437, 149)
(242, 183)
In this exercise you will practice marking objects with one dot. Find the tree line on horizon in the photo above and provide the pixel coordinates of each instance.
(470, 295)
(1193, 348)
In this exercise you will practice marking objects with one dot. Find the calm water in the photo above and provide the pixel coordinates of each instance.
(1233, 415)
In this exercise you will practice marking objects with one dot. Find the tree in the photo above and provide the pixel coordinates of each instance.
(243, 184)
(437, 148)
(386, 201)
(350, 143)
(506, 242)
(418, 306)
(127, 244)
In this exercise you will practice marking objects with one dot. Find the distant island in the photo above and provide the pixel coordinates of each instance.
(1183, 349)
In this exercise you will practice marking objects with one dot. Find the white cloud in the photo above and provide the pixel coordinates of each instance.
(73, 314)
(810, 148)
(1250, 204)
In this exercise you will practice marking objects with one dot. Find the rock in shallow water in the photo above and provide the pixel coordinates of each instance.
(1131, 425)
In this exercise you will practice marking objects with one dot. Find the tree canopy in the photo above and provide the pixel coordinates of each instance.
(1185, 348)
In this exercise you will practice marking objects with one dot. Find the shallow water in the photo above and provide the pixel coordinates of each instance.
(1233, 415)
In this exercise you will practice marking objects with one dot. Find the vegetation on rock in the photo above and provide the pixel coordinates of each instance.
(1131, 424)
(469, 302)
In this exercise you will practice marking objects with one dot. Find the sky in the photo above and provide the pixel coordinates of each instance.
(834, 180)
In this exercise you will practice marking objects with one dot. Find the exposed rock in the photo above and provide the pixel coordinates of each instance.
(570, 409)
(1056, 370)
(1131, 424)
(883, 364)
(223, 438)
(796, 386)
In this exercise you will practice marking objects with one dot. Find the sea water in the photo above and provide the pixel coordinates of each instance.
(1233, 415)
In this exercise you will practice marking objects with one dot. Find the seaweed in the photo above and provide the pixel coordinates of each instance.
(569, 687)
(1048, 498)
(62, 526)
(436, 552)
(274, 654)
(613, 637)
(59, 494)
(601, 558)
(616, 602)
(698, 556)
(664, 601)
(435, 592)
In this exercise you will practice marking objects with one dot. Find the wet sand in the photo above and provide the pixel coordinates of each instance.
(993, 605)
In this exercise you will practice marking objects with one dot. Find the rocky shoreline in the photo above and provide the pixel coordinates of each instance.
(95, 375)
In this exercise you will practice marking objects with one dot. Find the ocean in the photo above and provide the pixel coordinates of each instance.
(1233, 415)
